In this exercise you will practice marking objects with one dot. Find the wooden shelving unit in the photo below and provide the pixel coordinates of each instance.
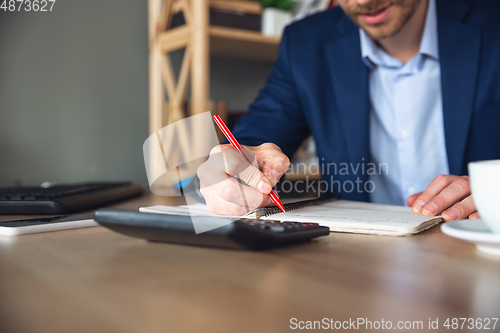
(243, 44)
(200, 41)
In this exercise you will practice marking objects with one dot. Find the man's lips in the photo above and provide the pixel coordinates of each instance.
(376, 16)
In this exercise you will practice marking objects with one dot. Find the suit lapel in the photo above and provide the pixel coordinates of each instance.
(350, 87)
(459, 50)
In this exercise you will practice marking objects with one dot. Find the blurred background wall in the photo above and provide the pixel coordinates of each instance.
(74, 91)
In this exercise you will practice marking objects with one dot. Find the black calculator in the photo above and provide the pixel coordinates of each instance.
(240, 234)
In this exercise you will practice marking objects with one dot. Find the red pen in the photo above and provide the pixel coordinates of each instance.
(236, 145)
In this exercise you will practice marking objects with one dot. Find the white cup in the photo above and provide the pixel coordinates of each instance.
(485, 187)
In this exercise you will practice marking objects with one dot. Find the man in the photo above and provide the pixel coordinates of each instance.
(411, 84)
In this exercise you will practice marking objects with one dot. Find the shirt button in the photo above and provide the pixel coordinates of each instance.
(411, 190)
(404, 134)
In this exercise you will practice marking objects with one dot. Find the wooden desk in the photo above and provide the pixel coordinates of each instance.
(95, 280)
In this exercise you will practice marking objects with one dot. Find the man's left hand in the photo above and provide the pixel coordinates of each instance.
(447, 195)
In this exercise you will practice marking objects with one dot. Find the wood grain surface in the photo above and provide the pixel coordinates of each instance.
(95, 280)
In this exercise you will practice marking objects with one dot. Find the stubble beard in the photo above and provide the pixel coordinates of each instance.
(383, 30)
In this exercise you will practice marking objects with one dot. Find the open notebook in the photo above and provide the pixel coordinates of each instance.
(338, 215)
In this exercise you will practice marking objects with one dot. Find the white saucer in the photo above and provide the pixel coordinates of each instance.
(474, 231)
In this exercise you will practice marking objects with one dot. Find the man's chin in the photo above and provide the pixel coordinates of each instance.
(380, 31)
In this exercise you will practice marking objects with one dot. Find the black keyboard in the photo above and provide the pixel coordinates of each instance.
(241, 234)
(64, 198)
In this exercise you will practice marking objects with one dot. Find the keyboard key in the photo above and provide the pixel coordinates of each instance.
(69, 197)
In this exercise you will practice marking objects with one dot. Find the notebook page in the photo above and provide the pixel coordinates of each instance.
(341, 215)
(198, 210)
(351, 215)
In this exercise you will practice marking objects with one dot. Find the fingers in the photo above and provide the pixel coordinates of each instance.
(457, 190)
(435, 187)
(229, 161)
(474, 216)
(461, 210)
(232, 186)
(412, 198)
(272, 161)
(447, 195)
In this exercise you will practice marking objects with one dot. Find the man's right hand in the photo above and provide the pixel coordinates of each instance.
(232, 186)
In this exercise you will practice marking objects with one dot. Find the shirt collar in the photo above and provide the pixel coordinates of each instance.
(373, 55)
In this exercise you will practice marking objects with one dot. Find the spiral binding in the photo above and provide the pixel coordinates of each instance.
(268, 211)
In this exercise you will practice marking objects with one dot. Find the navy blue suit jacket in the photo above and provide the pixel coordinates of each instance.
(319, 86)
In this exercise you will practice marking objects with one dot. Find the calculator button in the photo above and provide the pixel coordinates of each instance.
(277, 228)
(255, 224)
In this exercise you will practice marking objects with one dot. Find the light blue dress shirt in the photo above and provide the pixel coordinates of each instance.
(406, 117)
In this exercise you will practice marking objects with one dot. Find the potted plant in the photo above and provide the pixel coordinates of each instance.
(276, 15)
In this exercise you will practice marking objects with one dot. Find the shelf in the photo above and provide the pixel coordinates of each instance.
(243, 44)
(227, 42)
(200, 41)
